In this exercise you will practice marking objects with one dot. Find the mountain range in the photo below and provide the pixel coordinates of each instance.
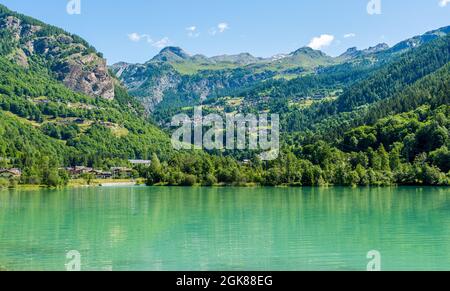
(174, 78)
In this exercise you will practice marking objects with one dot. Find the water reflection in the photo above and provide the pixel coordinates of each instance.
(144, 228)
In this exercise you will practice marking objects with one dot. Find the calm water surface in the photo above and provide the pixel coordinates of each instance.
(146, 228)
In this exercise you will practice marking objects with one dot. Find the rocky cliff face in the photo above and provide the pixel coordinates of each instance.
(87, 74)
(156, 82)
(148, 82)
(69, 58)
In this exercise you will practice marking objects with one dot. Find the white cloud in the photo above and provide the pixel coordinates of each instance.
(136, 37)
(444, 3)
(349, 35)
(223, 26)
(321, 41)
(192, 31)
(162, 43)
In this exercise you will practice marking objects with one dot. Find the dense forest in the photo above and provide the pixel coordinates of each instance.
(387, 124)
(407, 149)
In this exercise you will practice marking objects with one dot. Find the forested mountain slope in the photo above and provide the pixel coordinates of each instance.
(386, 82)
(59, 104)
(174, 80)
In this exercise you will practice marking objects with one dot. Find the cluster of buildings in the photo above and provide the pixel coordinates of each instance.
(113, 173)
(79, 171)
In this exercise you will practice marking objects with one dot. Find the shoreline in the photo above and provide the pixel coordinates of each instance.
(76, 183)
(140, 182)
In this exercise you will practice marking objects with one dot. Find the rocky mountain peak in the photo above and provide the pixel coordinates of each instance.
(307, 51)
(378, 48)
(172, 54)
(351, 53)
(421, 39)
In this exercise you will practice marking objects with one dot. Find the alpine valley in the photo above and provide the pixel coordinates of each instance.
(378, 116)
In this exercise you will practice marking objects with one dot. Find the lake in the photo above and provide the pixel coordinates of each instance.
(162, 228)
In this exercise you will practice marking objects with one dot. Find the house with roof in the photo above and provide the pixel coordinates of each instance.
(77, 171)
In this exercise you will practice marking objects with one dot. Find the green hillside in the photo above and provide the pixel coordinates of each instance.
(376, 117)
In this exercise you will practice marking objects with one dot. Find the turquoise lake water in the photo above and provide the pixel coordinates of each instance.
(162, 228)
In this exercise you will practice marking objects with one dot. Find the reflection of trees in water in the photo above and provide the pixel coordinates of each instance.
(219, 228)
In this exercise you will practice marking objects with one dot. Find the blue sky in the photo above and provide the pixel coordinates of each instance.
(135, 30)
